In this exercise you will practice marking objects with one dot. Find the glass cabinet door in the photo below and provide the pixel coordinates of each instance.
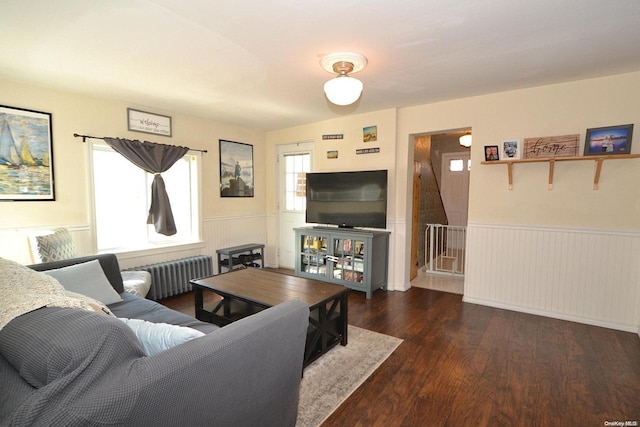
(348, 260)
(314, 253)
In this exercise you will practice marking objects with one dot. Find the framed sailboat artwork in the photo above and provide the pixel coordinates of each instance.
(26, 155)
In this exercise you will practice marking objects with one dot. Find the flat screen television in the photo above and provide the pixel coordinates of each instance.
(347, 199)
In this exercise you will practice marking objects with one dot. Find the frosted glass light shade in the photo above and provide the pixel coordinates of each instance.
(465, 140)
(343, 90)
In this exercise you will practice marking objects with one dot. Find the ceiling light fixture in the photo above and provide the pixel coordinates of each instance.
(343, 90)
(465, 140)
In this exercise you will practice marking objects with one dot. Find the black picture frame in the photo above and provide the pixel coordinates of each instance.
(491, 153)
(26, 155)
(236, 169)
(608, 140)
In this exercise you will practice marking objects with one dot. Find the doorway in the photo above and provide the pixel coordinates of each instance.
(441, 193)
(294, 161)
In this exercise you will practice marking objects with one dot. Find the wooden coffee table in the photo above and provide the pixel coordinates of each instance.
(247, 291)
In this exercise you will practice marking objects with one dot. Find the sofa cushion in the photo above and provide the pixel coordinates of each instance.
(108, 262)
(86, 278)
(158, 337)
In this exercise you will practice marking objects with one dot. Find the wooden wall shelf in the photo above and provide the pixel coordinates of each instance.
(552, 160)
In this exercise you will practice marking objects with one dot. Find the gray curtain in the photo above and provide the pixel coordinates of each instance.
(153, 158)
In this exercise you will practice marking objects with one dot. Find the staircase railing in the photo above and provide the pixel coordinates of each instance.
(445, 249)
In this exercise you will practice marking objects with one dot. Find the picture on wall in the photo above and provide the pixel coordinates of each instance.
(370, 134)
(511, 149)
(491, 153)
(608, 140)
(236, 169)
(551, 146)
(26, 155)
(141, 121)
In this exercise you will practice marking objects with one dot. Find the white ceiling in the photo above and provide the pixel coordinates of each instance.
(255, 63)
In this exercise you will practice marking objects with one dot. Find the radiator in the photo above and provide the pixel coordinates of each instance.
(171, 278)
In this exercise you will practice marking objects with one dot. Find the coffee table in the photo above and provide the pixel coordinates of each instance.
(247, 291)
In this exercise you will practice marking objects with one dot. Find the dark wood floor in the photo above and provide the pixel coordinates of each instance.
(469, 365)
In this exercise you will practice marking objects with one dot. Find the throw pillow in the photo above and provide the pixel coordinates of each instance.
(158, 337)
(56, 246)
(136, 282)
(86, 278)
(23, 290)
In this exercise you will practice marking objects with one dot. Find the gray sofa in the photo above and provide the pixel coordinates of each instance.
(71, 367)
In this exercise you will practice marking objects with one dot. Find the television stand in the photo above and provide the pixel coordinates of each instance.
(357, 259)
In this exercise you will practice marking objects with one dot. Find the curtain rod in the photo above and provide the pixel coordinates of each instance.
(84, 139)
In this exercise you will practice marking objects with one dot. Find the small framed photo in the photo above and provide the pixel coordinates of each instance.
(491, 153)
(510, 149)
(608, 140)
(370, 134)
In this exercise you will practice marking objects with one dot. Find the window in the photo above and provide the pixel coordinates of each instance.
(457, 165)
(122, 198)
(295, 191)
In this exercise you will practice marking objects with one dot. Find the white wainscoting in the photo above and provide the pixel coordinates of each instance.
(582, 275)
(223, 232)
(398, 277)
(217, 232)
(14, 243)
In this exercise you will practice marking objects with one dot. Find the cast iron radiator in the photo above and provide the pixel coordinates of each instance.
(171, 278)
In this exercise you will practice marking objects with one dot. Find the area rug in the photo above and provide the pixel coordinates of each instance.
(332, 378)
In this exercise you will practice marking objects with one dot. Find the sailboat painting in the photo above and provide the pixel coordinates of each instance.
(26, 164)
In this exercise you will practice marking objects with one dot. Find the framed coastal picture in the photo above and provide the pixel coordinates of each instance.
(236, 169)
(26, 155)
(608, 140)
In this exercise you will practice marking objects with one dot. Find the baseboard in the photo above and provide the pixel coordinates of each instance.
(553, 315)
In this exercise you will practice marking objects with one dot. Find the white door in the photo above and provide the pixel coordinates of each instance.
(294, 162)
(455, 187)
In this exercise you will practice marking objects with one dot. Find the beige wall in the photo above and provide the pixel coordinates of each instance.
(568, 108)
(351, 127)
(561, 109)
(570, 252)
(543, 111)
(72, 113)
